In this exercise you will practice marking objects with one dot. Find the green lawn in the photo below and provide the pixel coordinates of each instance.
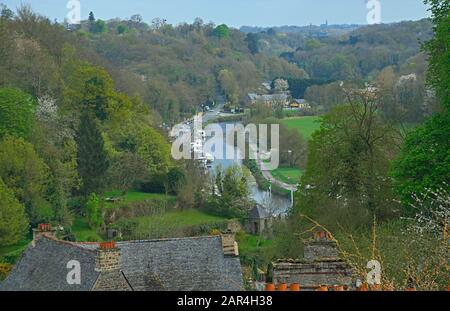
(287, 175)
(136, 196)
(185, 218)
(82, 231)
(249, 243)
(177, 224)
(305, 125)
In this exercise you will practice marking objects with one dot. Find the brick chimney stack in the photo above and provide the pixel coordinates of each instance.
(321, 246)
(43, 230)
(108, 257)
(229, 244)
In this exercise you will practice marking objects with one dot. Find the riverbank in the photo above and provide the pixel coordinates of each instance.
(263, 182)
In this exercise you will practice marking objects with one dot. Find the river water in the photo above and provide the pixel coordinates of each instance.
(275, 204)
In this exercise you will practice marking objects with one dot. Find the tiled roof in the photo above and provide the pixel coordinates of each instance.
(168, 264)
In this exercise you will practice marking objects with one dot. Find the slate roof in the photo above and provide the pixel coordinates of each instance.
(187, 264)
(44, 268)
(258, 212)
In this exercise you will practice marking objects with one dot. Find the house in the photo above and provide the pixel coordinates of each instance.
(267, 85)
(258, 220)
(208, 263)
(321, 266)
(299, 104)
(269, 100)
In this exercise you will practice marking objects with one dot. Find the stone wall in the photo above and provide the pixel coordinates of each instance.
(320, 266)
(107, 260)
(229, 244)
(312, 275)
(317, 250)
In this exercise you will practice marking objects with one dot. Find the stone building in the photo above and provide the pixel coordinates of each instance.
(320, 266)
(258, 220)
(208, 263)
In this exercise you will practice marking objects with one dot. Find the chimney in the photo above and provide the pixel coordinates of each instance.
(229, 244)
(108, 257)
(43, 230)
(321, 246)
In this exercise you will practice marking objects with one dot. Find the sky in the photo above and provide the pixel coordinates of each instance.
(236, 13)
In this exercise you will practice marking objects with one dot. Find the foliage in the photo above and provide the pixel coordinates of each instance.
(83, 232)
(424, 160)
(94, 211)
(222, 31)
(153, 150)
(230, 195)
(99, 26)
(176, 177)
(16, 113)
(92, 159)
(438, 49)
(349, 157)
(126, 170)
(25, 173)
(122, 28)
(13, 220)
(228, 85)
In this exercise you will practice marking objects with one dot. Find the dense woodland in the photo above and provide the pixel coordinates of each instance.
(84, 111)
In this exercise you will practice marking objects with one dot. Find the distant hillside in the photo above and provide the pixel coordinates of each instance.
(309, 29)
(353, 54)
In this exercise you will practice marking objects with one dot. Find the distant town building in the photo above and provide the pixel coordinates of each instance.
(270, 100)
(299, 104)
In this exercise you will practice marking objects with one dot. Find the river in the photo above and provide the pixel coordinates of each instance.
(275, 204)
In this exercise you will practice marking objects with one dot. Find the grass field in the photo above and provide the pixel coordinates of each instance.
(82, 231)
(249, 243)
(136, 196)
(287, 175)
(176, 219)
(305, 125)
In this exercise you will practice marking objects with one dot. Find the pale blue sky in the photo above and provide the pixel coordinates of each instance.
(236, 12)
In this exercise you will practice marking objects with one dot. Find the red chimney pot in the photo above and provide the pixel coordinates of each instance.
(107, 245)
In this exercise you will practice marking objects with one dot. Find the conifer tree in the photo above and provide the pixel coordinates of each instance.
(92, 158)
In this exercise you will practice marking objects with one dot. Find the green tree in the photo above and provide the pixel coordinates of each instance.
(176, 178)
(127, 169)
(122, 28)
(222, 31)
(228, 85)
(94, 212)
(350, 155)
(99, 26)
(26, 174)
(438, 49)
(252, 43)
(13, 220)
(153, 150)
(92, 158)
(424, 162)
(16, 112)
